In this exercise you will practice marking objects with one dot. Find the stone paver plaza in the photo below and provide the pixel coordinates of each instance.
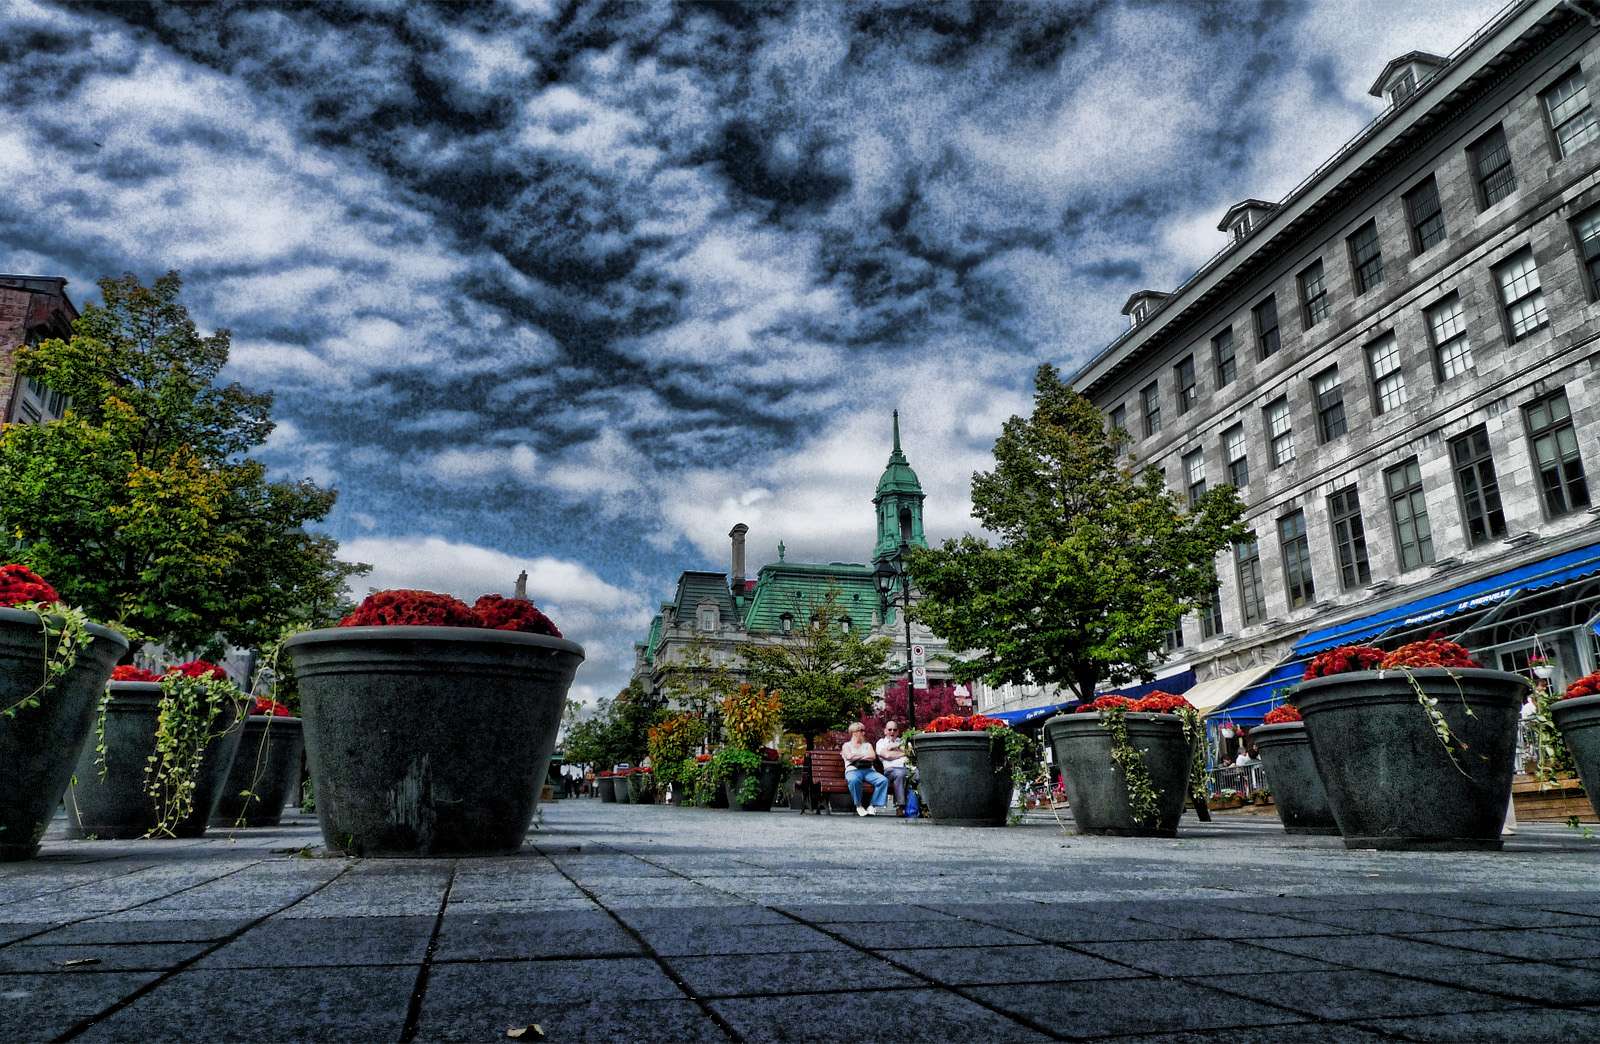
(651, 923)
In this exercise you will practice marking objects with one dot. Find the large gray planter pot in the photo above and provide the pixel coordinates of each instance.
(767, 779)
(1292, 774)
(641, 788)
(266, 767)
(1390, 781)
(1096, 788)
(963, 778)
(39, 745)
(608, 788)
(1579, 722)
(116, 805)
(429, 740)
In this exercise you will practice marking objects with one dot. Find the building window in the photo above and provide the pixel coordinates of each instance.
(1150, 399)
(1211, 614)
(1587, 231)
(1555, 452)
(1388, 380)
(1409, 508)
(1252, 594)
(1194, 475)
(1296, 559)
(786, 623)
(1233, 450)
(1222, 344)
(708, 617)
(1329, 395)
(1187, 392)
(1520, 294)
(1404, 87)
(1119, 417)
(1366, 258)
(1480, 490)
(1491, 168)
(1175, 638)
(1452, 354)
(1266, 318)
(1349, 538)
(1280, 434)
(1313, 294)
(845, 625)
(1571, 118)
(1425, 216)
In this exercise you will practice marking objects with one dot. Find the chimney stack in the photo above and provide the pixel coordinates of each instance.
(736, 534)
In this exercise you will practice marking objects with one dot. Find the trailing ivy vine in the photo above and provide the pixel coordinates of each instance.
(65, 631)
(1143, 802)
(191, 713)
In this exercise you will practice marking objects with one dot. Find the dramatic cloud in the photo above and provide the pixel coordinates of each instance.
(548, 283)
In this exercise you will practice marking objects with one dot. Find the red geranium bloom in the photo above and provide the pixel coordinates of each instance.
(268, 705)
(1344, 659)
(1430, 652)
(1281, 715)
(198, 669)
(1588, 685)
(1106, 703)
(513, 614)
(127, 672)
(1159, 703)
(19, 584)
(964, 723)
(401, 608)
(702, 758)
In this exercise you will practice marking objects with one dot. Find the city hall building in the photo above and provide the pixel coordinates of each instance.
(1398, 365)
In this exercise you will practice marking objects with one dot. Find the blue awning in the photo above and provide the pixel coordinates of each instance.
(1030, 716)
(1176, 684)
(1479, 594)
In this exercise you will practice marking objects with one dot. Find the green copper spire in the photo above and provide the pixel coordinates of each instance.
(899, 502)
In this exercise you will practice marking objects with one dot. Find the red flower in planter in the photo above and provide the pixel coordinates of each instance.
(964, 723)
(198, 669)
(1159, 703)
(127, 672)
(1106, 703)
(513, 614)
(269, 706)
(19, 584)
(1588, 685)
(1430, 652)
(641, 768)
(604, 774)
(1281, 715)
(402, 608)
(1344, 659)
(702, 758)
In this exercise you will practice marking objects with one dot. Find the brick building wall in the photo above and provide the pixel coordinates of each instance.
(31, 308)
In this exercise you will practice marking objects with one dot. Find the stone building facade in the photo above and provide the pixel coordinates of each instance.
(32, 309)
(1398, 365)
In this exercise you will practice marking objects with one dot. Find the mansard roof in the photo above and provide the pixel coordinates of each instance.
(797, 588)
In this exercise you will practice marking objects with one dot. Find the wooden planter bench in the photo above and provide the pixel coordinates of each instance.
(827, 790)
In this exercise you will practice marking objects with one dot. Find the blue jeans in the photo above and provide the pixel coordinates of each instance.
(880, 786)
(897, 783)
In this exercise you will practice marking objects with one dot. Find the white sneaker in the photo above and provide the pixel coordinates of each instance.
(872, 810)
(861, 811)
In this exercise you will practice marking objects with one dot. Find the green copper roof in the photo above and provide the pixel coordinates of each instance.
(898, 476)
(797, 588)
(651, 641)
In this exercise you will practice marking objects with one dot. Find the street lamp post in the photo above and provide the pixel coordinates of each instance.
(887, 572)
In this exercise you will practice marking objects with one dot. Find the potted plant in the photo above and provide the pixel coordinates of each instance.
(1130, 766)
(53, 666)
(1542, 666)
(1285, 752)
(163, 748)
(642, 785)
(968, 767)
(607, 781)
(747, 770)
(266, 770)
(1414, 747)
(671, 743)
(429, 723)
(1577, 715)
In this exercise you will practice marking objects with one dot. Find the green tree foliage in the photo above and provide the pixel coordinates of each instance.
(698, 682)
(141, 506)
(824, 674)
(1095, 563)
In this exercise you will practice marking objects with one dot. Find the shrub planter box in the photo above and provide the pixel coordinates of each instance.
(641, 788)
(39, 745)
(267, 766)
(1390, 782)
(963, 778)
(1096, 789)
(767, 779)
(117, 806)
(608, 788)
(1579, 722)
(429, 740)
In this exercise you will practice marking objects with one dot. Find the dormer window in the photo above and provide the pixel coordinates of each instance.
(708, 617)
(1404, 86)
(786, 623)
(1241, 228)
(1244, 218)
(1404, 76)
(1142, 305)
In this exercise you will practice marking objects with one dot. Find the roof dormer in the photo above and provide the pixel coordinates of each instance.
(1402, 76)
(1142, 304)
(1243, 217)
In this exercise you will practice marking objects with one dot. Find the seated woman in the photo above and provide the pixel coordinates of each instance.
(859, 757)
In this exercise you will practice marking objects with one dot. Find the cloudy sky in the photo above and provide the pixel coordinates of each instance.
(574, 287)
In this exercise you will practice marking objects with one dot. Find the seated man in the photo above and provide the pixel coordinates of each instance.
(892, 752)
(859, 757)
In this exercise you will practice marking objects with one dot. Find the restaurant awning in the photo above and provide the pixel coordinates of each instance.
(1030, 716)
(1208, 696)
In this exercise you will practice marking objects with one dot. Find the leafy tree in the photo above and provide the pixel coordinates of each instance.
(698, 682)
(824, 674)
(1095, 562)
(141, 506)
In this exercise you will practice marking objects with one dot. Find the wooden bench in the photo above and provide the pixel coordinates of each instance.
(825, 768)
